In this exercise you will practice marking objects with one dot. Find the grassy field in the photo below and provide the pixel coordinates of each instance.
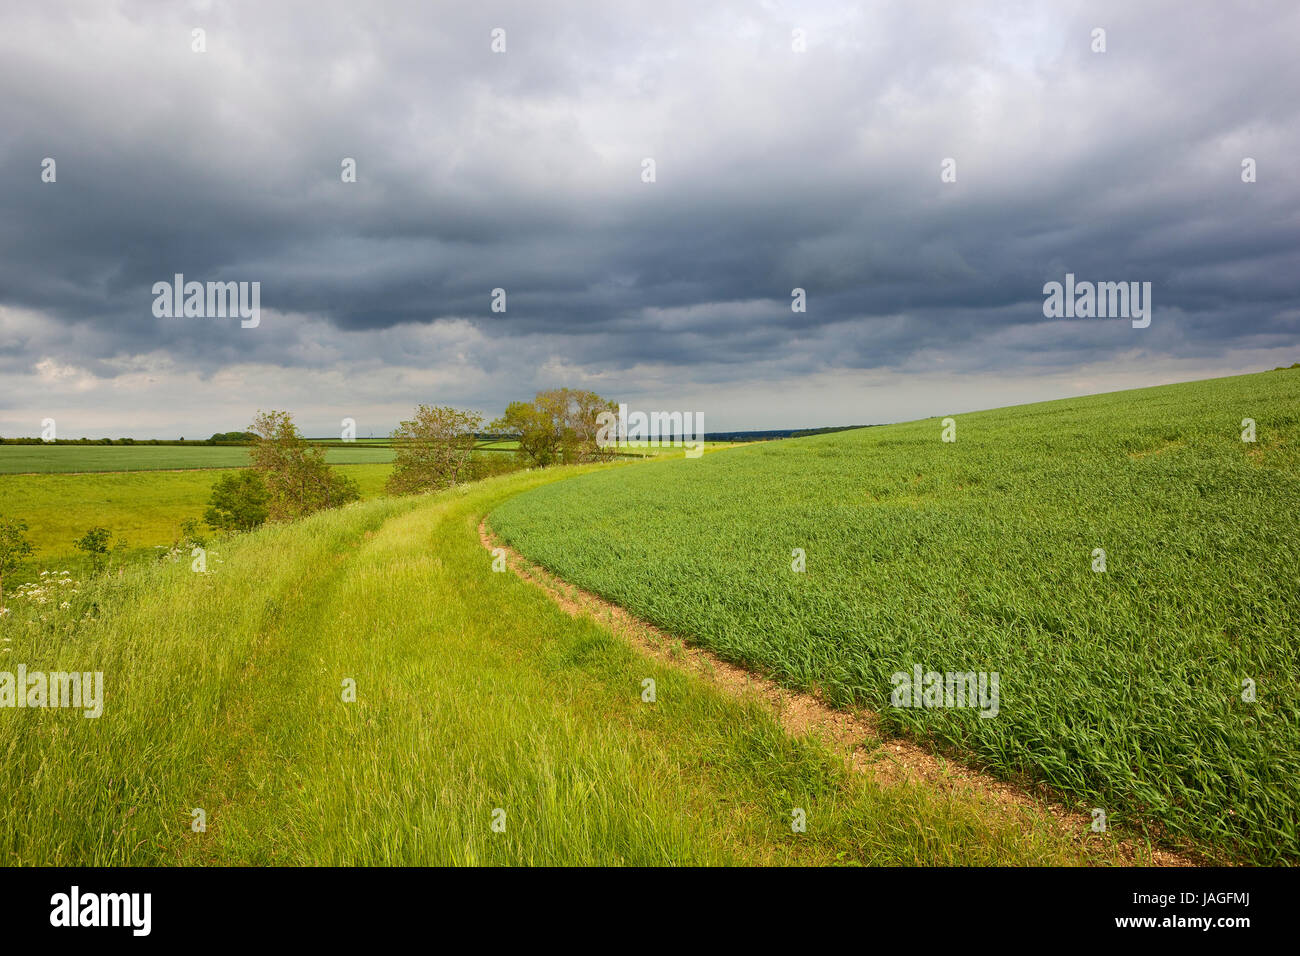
(1121, 689)
(143, 507)
(474, 694)
(62, 490)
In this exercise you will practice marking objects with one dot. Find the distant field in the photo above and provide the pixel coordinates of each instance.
(359, 441)
(52, 459)
(508, 444)
(141, 493)
(78, 459)
(1122, 689)
(144, 508)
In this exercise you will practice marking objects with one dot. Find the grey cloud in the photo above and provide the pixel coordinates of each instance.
(775, 170)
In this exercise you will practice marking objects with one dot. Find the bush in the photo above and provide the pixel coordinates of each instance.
(95, 543)
(239, 501)
(13, 548)
(494, 463)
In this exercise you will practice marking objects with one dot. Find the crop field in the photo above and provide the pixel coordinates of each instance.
(1157, 682)
(225, 694)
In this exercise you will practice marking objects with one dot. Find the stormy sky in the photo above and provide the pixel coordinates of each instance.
(775, 168)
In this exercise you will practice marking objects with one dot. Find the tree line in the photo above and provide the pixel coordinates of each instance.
(432, 450)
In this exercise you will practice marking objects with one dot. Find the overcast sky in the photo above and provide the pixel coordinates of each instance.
(523, 170)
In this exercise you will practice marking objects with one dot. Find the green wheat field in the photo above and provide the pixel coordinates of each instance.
(1122, 689)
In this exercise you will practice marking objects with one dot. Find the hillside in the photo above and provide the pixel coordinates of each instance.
(1124, 689)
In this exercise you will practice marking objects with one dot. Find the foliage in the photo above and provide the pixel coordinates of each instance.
(14, 547)
(239, 501)
(191, 533)
(557, 427)
(434, 449)
(298, 481)
(95, 544)
(95, 541)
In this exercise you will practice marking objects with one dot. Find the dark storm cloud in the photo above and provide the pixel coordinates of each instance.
(521, 170)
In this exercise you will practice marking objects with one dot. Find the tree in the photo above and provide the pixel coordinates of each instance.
(558, 426)
(298, 481)
(95, 543)
(433, 450)
(531, 426)
(238, 502)
(14, 546)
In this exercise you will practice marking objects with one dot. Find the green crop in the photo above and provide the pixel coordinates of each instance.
(1125, 690)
